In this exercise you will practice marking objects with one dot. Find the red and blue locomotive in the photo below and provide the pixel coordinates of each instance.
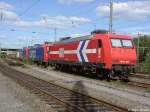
(107, 55)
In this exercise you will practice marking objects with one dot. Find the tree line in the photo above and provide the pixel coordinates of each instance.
(142, 44)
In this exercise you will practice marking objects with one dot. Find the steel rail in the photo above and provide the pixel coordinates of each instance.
(141, 76)
(65, 99)
(139, 84)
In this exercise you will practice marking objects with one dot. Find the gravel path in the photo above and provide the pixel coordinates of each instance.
(100, 91)
(15, 98)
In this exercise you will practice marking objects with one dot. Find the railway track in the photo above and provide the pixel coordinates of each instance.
(61, 99)
(130, 83)
(139, 75)
(139, 84)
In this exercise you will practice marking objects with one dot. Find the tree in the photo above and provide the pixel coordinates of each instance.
(144, 45)
(147, 62)
(144, 52)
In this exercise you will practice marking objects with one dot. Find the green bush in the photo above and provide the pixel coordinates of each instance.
(147, 63)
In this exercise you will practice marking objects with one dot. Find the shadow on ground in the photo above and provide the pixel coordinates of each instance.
(79, 100)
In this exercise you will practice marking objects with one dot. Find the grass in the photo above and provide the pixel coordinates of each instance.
(147, 90)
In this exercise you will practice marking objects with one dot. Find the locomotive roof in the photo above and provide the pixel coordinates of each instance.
(88, 37)
(75, 39)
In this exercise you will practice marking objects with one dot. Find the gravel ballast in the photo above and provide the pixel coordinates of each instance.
(120, 98)
(15, 98)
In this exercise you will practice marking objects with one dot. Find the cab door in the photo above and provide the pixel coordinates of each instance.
(99, 51)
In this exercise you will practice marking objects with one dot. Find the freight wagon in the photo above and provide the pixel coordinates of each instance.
(42, 54)
(25, 55)
(32, 53)
(35, 54)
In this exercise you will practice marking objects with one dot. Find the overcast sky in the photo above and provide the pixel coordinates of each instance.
(28, 22)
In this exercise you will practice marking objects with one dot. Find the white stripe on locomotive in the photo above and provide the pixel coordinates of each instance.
(84, 51)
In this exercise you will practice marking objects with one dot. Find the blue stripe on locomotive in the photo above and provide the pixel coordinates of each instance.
(40, 54)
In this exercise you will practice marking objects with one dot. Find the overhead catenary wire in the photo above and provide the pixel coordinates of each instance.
(35, 2)
(29, 8)
(93, 22)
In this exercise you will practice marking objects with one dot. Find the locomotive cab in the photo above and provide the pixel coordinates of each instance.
(123, 55)
(117, 54)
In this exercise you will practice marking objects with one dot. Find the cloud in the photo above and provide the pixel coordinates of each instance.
(6, 13)
(74, 1)
(78, 35)
(27, 38)
(2, 36)
(141, 33)
(5, 6)
(131, 10)
(8, 16)
(135, 30)
(64, 21)
(144, 33)
(21, 24)
(53, 22)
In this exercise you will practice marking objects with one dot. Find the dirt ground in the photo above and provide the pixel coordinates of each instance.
(15, 98)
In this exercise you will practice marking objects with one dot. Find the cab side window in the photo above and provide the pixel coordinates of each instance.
(99, 43)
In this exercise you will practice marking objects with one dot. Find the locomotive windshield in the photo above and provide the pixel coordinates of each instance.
(121, 43)
(116, 43)
(127, 43)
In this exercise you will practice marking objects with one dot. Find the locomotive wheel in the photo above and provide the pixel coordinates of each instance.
(57, 67)
(100, 73)
(65, 68)
(45, 65)
(124, 78)
(108, 77)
